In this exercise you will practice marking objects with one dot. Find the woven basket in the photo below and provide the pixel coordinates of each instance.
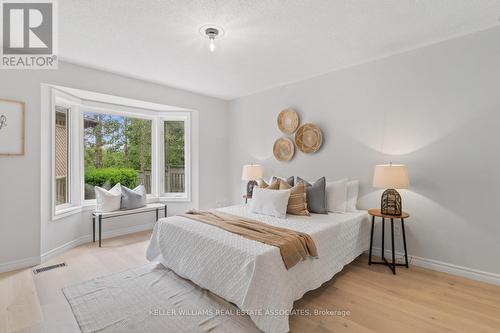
(283, 149)
(288, 121)
(308, 138)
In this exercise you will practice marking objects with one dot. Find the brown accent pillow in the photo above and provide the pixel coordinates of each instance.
(289, 180)
(297, 204)
(275, 185)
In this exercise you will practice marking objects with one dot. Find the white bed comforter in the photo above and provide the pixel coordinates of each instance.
(251, 274)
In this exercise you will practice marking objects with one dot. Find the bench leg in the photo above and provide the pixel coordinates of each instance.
(156, 215)
(93, 229)
(100, 229)
(165, 210)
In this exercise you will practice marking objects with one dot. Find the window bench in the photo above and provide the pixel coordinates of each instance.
(103, 216)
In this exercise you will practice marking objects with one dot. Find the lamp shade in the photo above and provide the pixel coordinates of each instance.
(251, 172)
(391, 176)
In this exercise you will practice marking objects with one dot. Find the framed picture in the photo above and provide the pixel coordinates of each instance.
(12, 118)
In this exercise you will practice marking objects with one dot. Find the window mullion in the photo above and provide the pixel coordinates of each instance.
(161, 155)
(154, 158)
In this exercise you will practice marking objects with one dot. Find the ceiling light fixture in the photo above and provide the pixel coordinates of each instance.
(212, 32)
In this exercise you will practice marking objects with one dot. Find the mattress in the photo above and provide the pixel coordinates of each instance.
(251, 274)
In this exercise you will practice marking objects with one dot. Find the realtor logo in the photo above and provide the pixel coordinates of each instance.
(28, 34)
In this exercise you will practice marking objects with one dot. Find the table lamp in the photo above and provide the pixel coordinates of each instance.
(252, 173)
(391, 177)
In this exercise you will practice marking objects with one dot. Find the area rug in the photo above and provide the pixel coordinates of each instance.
(151, 298)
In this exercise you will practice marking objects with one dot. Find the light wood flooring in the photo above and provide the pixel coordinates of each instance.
(414, 300)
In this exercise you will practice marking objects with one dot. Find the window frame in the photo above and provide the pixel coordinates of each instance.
(123, 112)
(175, 196)
(76, 161)
(71, 103)
(69, 173)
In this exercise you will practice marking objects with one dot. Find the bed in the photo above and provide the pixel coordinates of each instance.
(251, 274)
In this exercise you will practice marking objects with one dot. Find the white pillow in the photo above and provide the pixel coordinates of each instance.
(108, 201)
(352, 195)
(270, 202)
(336, 196)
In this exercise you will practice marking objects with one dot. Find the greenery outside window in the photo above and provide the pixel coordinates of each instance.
(117, 149)
(103, 143)
(176, 159)
(174, 156)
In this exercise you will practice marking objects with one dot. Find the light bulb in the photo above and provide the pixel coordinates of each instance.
(212, 45)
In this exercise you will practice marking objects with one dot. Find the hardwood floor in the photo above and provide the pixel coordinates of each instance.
(373, 300)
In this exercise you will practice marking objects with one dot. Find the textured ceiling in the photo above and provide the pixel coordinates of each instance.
(267, 42)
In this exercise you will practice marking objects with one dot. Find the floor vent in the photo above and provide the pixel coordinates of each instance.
(48, 268)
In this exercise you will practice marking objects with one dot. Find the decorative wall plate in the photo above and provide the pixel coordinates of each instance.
(283, 149)
(288, 121)
(308, 138)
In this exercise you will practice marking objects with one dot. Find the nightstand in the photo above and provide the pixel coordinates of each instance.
(376, 213)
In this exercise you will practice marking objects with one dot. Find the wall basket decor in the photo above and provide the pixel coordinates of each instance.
(288, 121)
(308, 138)
(12, 118)
(283, 149)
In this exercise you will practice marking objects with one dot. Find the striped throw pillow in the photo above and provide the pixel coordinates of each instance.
(275, 185)
(297, 203)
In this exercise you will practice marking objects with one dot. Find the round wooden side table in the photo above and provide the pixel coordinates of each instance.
(374, 212)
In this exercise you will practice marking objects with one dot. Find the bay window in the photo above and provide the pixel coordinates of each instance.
(101, 144)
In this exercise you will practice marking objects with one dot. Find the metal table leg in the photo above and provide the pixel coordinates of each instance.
(392, 265)
(371, 241)
(404, 241)
(383, 238)
(393, 251)
(93, 228)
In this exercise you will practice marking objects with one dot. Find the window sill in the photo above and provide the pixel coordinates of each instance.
(174, 199)
(88, 205)
(65, 212)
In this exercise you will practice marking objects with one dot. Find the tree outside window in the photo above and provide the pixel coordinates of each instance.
(174, 156)
(117, 150)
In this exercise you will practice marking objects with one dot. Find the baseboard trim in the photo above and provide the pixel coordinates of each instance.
(65, 247)
(37, 260)
(441, 266)
(19, 264)
(88, 238)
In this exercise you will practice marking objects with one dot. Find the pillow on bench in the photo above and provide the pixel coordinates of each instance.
(108, 201)
(132, 199)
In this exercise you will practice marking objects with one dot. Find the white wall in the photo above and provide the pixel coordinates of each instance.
(24, 234)
(436, 109)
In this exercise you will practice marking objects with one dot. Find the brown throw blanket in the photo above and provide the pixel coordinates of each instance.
(294, 246)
